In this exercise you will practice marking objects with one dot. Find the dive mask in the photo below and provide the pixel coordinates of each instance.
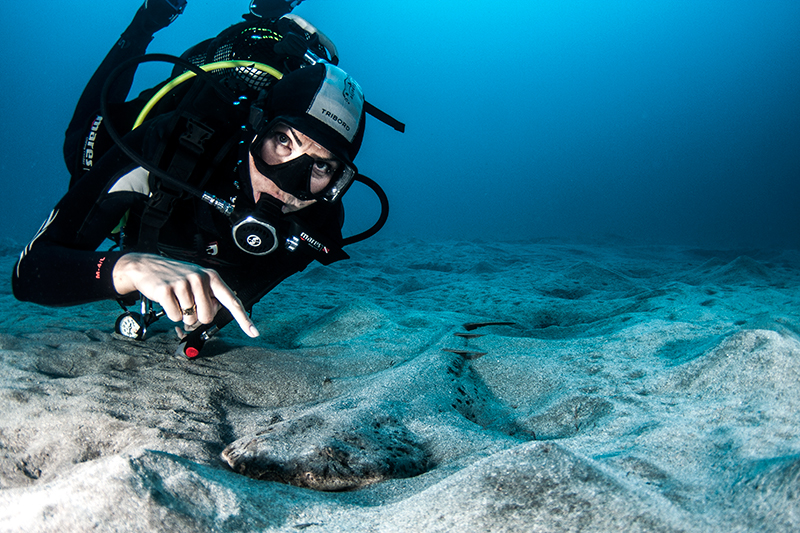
(295, 176)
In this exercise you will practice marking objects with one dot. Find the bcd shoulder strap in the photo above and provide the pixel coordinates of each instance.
(189, 144)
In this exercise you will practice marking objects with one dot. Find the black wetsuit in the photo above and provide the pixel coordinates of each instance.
(61, 266)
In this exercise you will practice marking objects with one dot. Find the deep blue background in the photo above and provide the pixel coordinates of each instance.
(665, 121)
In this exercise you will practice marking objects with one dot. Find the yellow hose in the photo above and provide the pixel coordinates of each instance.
(219, 65)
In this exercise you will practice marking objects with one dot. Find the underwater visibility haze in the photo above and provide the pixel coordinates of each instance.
(661, 121)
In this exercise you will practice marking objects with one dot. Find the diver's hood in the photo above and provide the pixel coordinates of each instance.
(323, 102)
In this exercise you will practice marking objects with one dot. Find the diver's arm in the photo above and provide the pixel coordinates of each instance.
(151, 17)
(61, 265)
(60, 272)
(49, 274)
(54, 273)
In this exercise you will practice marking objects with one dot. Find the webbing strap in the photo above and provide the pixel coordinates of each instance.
(155, 215)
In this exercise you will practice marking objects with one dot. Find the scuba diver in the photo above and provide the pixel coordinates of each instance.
(216, 185)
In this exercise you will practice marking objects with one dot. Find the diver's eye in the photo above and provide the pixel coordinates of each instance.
(278, 144)
(326, 167)
(323, 167)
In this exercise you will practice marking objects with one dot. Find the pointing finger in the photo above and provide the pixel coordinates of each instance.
(228, 299)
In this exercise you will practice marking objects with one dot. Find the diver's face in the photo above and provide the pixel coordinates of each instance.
(284, 143)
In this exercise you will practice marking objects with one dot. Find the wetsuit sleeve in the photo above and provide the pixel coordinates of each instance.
(61, 265)
(133, 42)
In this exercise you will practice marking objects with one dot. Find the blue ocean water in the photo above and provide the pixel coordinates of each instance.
(661, 121)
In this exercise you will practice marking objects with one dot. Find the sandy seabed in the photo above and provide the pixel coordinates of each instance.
(639, 388)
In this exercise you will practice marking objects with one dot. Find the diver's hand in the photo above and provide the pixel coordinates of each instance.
(187, 292)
